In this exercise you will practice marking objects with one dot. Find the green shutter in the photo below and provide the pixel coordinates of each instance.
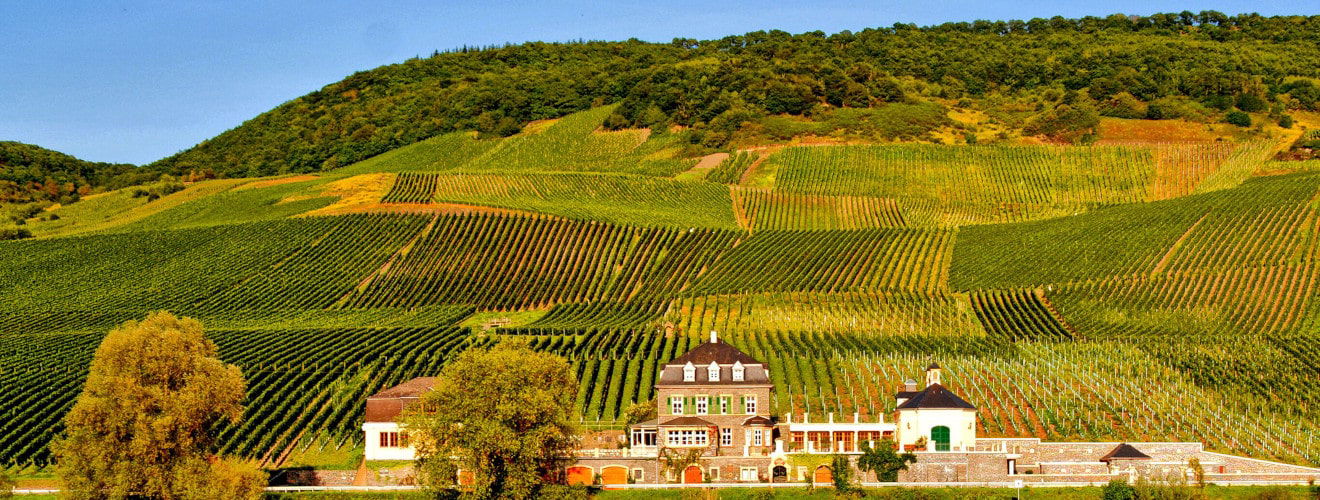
(690, 406)
(742, 405)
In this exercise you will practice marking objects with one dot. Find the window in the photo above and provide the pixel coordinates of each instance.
(756, 437)
(726, 437)
(750, 405)
(676, 405)
(639, 475)
(703, 404)
(687, 437)
(714, 473)
(389, 440)
(737, 371)
(643, 437)
(713, 372)
(689, 372)
(747, 474)
(724, 405)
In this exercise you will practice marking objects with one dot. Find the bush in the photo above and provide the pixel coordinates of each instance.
(1251, 103)
(1168, 108)
(1123, 105)
(1286, 121)
(1238, 118)
(6, 484)
(14, 233)
(1119, 489)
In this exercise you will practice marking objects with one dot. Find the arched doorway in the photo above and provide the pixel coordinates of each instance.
(580, 475)
(823, 475)
(692, 474)
(940, 435)
(779, 474)
(614, 474)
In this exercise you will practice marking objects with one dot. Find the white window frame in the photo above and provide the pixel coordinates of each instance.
(703, 405)
(738, 371)
(749, 405)
(687, 438)
(749, 473)
(639, 437)
(676, 405)
(639, 474)
(713, 372)
(724, 404)
(726, 436)
(689, 372)
(756, 437)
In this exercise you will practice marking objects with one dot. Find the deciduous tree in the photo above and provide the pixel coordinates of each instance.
(505, 415)
(884, 461)
(145, 423)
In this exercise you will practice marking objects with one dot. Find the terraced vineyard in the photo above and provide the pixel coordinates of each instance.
(1134, 292)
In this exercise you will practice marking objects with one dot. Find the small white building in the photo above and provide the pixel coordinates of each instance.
(385, 438)
(944, 420)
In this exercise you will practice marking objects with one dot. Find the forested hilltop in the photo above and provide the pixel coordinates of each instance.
(1047, 77)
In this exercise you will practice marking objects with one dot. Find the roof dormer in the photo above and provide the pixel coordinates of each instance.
(689, 372)
(738, 371)
(713, 372)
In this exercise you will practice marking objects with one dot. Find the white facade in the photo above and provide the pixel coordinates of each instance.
(916, 423)
(391, 436)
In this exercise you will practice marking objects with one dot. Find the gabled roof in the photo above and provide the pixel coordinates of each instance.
(758, 420)
(933, 366)
(410, 389)
(935, 396)
(687, 422)
(906, 394)
(718, 352)
(1125, 451)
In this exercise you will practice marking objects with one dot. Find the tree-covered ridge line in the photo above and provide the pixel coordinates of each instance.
(716, 88)
(30, 173)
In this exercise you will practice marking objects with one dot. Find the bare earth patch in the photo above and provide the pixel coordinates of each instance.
(354, 192)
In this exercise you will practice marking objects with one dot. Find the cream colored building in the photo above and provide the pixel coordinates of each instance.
(936, 415)
(385, 438)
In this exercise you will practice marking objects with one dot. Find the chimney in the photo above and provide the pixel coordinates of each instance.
(932, 374)
(713, 338)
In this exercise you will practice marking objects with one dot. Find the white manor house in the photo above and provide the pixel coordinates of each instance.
(713, 402)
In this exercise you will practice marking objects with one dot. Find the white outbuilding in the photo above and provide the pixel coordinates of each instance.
(945, 421)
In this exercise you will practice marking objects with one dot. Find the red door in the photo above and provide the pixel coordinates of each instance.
(580, 475)
(692, 474)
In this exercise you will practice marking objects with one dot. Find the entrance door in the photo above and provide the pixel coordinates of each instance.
(579, 475)
(940, 435)
(823, 475)
(779, 474)
(614, 475)
(692, 474)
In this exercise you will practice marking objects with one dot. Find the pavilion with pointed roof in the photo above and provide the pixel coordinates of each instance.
(934, 415)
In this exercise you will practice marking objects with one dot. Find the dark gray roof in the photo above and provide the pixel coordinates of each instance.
(752, 375)
(718, 352)
(687, 421)
(1125, 451)
(936, 396)
(933, 366)
(906, 394)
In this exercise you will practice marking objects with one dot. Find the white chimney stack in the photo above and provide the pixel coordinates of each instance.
(712, 337)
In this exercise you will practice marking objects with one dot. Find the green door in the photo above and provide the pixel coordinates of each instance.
(940, 435)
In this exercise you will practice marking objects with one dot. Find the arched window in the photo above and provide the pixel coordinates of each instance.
(737, 371)
(689, 372)
(940, 435)
(713, 372)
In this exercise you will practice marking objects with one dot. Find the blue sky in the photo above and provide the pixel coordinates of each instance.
(133, 82)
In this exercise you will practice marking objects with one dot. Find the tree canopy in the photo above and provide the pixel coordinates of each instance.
(31, 173)
(146, 421)
(714, 87)
(884, 461)
(505, 415)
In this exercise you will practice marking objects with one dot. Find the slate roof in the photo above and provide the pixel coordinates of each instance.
(1125, 451)
(687, 421)
(718, 352)
(935, 396)
(388, 404)
(933, 366)
(752, 375)
(906, 394)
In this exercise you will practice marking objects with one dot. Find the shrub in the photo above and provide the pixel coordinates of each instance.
(1238, 118)
(1286, 121)
(1119, 489)
(1123, 105)
(1168, 108)
(1251, 103)
(14, 233)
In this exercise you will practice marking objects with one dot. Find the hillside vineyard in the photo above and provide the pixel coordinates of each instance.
(1122, 292)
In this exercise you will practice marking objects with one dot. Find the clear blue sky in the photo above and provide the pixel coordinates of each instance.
(109, 80)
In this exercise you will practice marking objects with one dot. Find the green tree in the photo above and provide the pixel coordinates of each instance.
(640, 411)
(503, 414)
(6, 484)
(144, 425)
(884, 461)
(1119, 489)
